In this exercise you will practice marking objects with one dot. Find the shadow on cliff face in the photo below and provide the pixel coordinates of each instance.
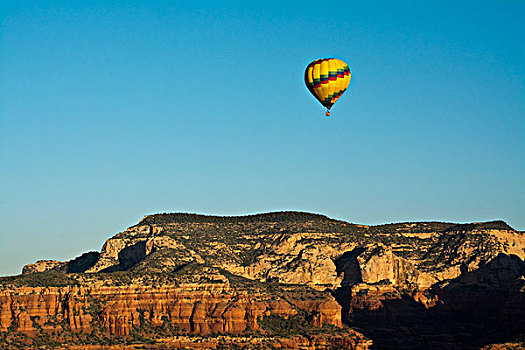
(129, 257)
(83, 262)
(348, 264)
(480, 307)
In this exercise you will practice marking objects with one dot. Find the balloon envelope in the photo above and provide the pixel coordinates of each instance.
(327, 79)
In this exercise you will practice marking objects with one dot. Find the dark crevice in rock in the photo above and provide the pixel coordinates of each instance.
(348, 264)
(484, 306)
(83, 262)
(129, 257)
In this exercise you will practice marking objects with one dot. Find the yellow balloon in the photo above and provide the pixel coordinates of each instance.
(327, 79)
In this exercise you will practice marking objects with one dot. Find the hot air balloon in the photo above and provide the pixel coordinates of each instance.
(327, 79)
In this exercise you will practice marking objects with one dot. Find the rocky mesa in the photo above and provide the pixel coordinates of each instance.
(276, 280)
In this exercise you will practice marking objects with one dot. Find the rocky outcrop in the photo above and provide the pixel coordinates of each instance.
(43, 265)
(79, 264)
(117, 310)
(478, 307)
(375, 264)
(289, 265)
(306, 253)
(350, 340)
(293, 260)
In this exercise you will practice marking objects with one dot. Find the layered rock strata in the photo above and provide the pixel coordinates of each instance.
(238, 267)
(119, 309)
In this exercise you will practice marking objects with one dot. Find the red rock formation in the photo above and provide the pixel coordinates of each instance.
(393, 280)
(350, 341)
(119, 309)
(323, 311)
(42, 265)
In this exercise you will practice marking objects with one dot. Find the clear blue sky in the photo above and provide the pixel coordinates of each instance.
(116, 109)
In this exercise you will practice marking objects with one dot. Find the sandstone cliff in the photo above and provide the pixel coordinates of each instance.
(203, 275)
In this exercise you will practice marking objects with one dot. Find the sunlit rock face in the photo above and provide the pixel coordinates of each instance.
(42, 265)
(197, 309)
(184, 274)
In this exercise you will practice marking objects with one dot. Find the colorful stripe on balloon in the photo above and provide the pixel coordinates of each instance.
(328, 81)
